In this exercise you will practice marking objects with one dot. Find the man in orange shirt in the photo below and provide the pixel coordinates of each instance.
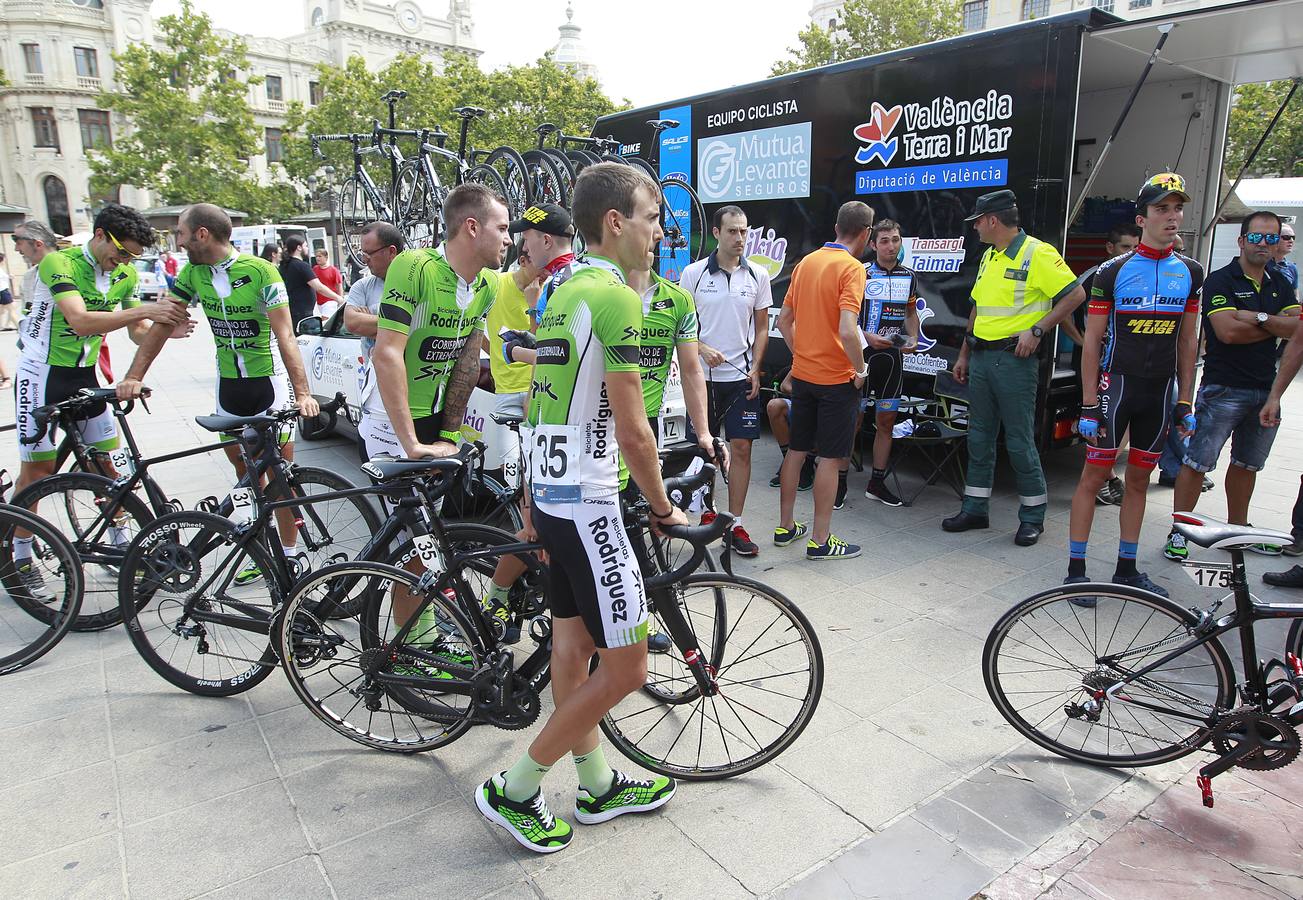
(820, 323)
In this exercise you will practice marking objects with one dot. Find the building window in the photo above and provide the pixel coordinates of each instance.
(274, 88)
(1035, 9)
(32, 56)
(1104, 5)
(314, 93)
(45, 129)
(273, 145)
(89, 4)
(56, 205)
(1140, 4)
(975, 15)
(94, 129)
(88, 64)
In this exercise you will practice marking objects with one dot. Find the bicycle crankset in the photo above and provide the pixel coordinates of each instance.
(1277, 741)
(519, 710)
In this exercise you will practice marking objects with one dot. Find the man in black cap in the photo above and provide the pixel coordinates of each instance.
(546, 232)
(1023, 289)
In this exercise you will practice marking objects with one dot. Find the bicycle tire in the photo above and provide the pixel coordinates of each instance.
(1081, 627)
(683, 222)
(582, 159)
(511, 166)
(78, 515)
(420, 211)
(341, 541)
(641, 164)
(24, 640)
(492, 504)
(305, 640)
(356, 211)
(546, 182)
(738, 638)
(564, 166)
(151, 614)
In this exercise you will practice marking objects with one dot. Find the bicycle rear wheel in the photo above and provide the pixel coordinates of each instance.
(75, 504)
(178, 576)
(356, 211)
(488, 502)
(509, 164)
(683, 222)
(25, 638)
(545, 180)
(769, 670)
(1048, 663)
(336, 666)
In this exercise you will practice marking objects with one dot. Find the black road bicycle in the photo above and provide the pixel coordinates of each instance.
(741, 682)
(1117, 676)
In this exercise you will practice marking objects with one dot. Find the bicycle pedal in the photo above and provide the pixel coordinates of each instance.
(1205, 789)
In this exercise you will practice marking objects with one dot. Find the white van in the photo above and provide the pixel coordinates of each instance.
(252, 238)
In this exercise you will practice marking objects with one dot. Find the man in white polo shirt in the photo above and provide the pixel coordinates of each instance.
(733, 300)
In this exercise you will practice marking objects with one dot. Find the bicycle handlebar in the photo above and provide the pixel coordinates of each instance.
(43, 415)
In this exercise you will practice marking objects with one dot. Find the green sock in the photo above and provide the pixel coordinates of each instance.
(498, 596)
(595, 776)
(523, 779)
(425, 631)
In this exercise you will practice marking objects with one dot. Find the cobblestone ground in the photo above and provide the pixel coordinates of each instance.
(907, 783)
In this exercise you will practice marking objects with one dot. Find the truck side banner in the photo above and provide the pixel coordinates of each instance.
(917, 134)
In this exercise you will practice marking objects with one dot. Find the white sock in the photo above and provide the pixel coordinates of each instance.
(23, 548)
(737, 523)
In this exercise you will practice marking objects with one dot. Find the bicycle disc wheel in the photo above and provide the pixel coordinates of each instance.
(24, 638)
(333, 664)
(770, 677)
(581, 159)
(177, 574)
(332, 531)
(1048, 663)
(546, 182)
(75, 504)
(488, 502)
(683, 222)
(356, 211)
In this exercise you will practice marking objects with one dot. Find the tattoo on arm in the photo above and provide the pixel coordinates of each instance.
(462, 380)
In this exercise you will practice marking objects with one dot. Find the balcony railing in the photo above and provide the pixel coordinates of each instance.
(276, 106)
(34, 78)
(87, 83)
(60, 12)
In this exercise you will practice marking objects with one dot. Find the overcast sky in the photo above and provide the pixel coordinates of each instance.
(680, 47)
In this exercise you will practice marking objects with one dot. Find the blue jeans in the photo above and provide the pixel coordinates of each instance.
(1228, 413)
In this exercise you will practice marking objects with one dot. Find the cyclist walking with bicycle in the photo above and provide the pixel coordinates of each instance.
(1137, 365)
(586, 415)
(259, 368)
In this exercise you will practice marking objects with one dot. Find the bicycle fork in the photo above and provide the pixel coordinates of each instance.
(671, 614)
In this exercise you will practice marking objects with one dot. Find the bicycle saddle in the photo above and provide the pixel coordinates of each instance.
(1217, 535)
(469, 112)
(387, 468)
(662, 124)
(546, 128)
(233, 423)
(510, 420)
(394, 95)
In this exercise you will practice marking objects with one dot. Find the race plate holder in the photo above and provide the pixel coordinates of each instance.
(428, 550)
(243, 507)
(1209, 574)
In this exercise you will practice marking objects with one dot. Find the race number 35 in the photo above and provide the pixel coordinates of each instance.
(552, 459)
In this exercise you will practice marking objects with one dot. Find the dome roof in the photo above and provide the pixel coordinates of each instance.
(570, 51)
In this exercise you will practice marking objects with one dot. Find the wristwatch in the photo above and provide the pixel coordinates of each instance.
(1037, 332)
(1262, 319)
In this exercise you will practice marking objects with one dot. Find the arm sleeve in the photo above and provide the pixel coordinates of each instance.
(399, 300)
(357, 293)
(687, 329)
(1196, 286)
(1049, 273)
(852, 292)
(617, 323)
(55, 272)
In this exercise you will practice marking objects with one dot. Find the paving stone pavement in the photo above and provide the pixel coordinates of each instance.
(117, 784)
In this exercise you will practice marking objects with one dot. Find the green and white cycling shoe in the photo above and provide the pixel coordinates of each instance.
(250, 574)
(530, 823)
(1176, 548)
(626, 795)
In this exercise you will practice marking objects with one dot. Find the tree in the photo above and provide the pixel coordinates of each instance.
(517, 99)
(192, 131)
(1251, 110)
(872, 26)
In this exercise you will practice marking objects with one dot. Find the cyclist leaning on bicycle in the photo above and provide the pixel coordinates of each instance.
(586, 404)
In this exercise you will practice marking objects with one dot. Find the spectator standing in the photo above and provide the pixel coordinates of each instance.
(33, 240)
(1246, 307)
(170, 267)
(301, 283)
(889, 319)
(380, 244)
(1280, 257)
(732, 299)
(271, 253)
(8, 316)
(518, 292)
(1023, 289)
(329, 276)
(819, 322)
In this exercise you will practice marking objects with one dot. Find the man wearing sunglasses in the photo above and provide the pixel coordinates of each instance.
(1280, 259)
(1246, 308)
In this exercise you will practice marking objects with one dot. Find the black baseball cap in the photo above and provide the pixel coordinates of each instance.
(1160, 187)
(547, 218)
(993, 202)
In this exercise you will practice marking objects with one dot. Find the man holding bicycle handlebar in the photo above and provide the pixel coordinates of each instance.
(586, 417)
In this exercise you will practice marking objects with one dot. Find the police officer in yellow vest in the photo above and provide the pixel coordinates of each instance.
(1023, 289)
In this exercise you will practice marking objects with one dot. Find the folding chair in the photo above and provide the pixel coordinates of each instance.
(938, 440)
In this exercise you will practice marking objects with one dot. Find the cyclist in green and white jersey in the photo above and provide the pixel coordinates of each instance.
(586, 415)
(258, 359)
(75, 302)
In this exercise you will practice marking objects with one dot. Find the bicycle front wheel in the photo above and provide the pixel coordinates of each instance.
(547, 185)
(683, 222)
(418, 205)
(769, 672)
(1050, 664)
(51, 578)
(198, 604)
(511, 167)
(356, 211)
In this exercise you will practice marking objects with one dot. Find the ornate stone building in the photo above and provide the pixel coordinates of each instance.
(56, 56)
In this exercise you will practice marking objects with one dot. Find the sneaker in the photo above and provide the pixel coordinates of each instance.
(777, 480)
(658, 642)
(502, 614)
(807, 475)
(1110, 493)
(1083, 601)
(626, 795)
(1265, 549)
(840, 501)
(836, 548)
(419, 668)
(742, 543)
(248, 575)
(1208, 485)
(1176, 548)
(784, 536)
(878, 490)
(530, 823)
(1142, 581)
(32, 583)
